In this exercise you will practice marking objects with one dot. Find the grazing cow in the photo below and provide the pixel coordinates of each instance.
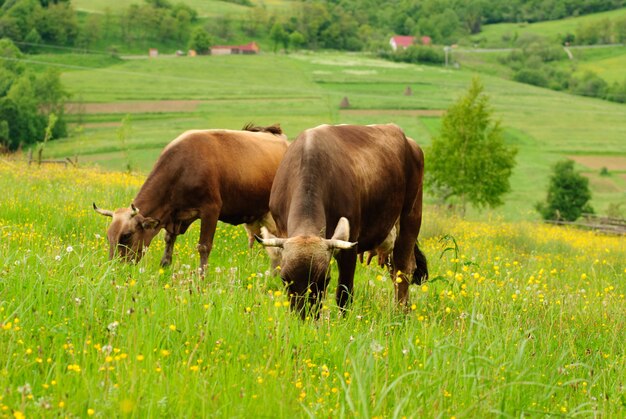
(342, 185)
(209, 175)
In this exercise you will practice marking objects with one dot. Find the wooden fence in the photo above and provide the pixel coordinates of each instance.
(607, 225)
(41, 161)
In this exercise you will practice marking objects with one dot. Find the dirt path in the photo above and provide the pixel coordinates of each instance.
(405, 112)
(135, 107)
(598, 162)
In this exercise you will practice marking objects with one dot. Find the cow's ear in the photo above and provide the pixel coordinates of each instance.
(342, 231)
(150, 223)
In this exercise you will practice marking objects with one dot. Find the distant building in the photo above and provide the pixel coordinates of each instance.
(426, 40)
(403, 42)
(251, 48)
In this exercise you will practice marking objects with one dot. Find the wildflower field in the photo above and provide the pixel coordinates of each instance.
(519, 319)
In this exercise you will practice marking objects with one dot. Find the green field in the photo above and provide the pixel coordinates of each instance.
(521, 319)
(608, 63)
(500, 35)
(304, 90)
(205, 8)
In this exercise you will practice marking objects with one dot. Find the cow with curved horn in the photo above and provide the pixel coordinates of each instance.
(209, 175)
(344, 190)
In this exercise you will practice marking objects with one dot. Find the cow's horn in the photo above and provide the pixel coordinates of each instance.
(275, 242)
(102, 211)
(134, 209)
(340, 244)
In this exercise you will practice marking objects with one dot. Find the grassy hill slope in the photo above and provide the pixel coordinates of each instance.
(205, 8)
(501, 34)
(304, 90)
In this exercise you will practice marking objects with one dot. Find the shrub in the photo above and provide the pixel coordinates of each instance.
(418, 54)
(589, 85)
(568, 194)
(536, 77)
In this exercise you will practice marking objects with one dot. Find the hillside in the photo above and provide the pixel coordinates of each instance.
(502, 35)
(166, 96)
(205, 8)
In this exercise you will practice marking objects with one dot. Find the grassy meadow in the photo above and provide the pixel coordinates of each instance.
(205, 8)
(304, 90)
(519, 319)
(501, 34)
(608, 63)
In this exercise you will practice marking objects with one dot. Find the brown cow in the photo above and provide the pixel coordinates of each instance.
(342, 185)
(209, 175)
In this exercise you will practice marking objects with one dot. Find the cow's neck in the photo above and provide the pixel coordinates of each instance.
(153, 202)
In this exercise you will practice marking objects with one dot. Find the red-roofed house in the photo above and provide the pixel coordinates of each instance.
(399, 41)
(251, 48)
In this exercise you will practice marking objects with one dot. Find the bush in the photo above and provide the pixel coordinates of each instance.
(418, 54)
(617, 92)
(568, 194)
(536, 77)
(589, 85)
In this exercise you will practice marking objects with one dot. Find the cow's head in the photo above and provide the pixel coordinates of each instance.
(129, 232)
(305, 264)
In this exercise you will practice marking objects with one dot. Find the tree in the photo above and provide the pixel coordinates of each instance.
(26, 100)
(57, 24)
(31, 41)
(279, 36)
(469, 160)
(296, 39)
(568, 194)
(200, 41)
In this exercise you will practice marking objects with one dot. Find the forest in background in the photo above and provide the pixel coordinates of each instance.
(343, 25)
(30, 27)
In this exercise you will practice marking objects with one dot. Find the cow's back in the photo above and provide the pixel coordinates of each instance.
(234, 169)
(358, 172)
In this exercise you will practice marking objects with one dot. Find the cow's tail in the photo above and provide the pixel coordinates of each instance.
(421, 270)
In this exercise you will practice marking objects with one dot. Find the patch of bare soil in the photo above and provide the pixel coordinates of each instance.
(598, 162)
(102, 124)
(405, 112)
(134, 107)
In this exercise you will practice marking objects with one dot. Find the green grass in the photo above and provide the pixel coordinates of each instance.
(205, 8)
(304, 90)
(608, 64)
(524, 320)
(493, 36)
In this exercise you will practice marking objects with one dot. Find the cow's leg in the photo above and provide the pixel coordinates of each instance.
(421, 266)
(252, 229)
(403, 259)
(208, 224)
(402, 269)
(346, 262)
(170, 239)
